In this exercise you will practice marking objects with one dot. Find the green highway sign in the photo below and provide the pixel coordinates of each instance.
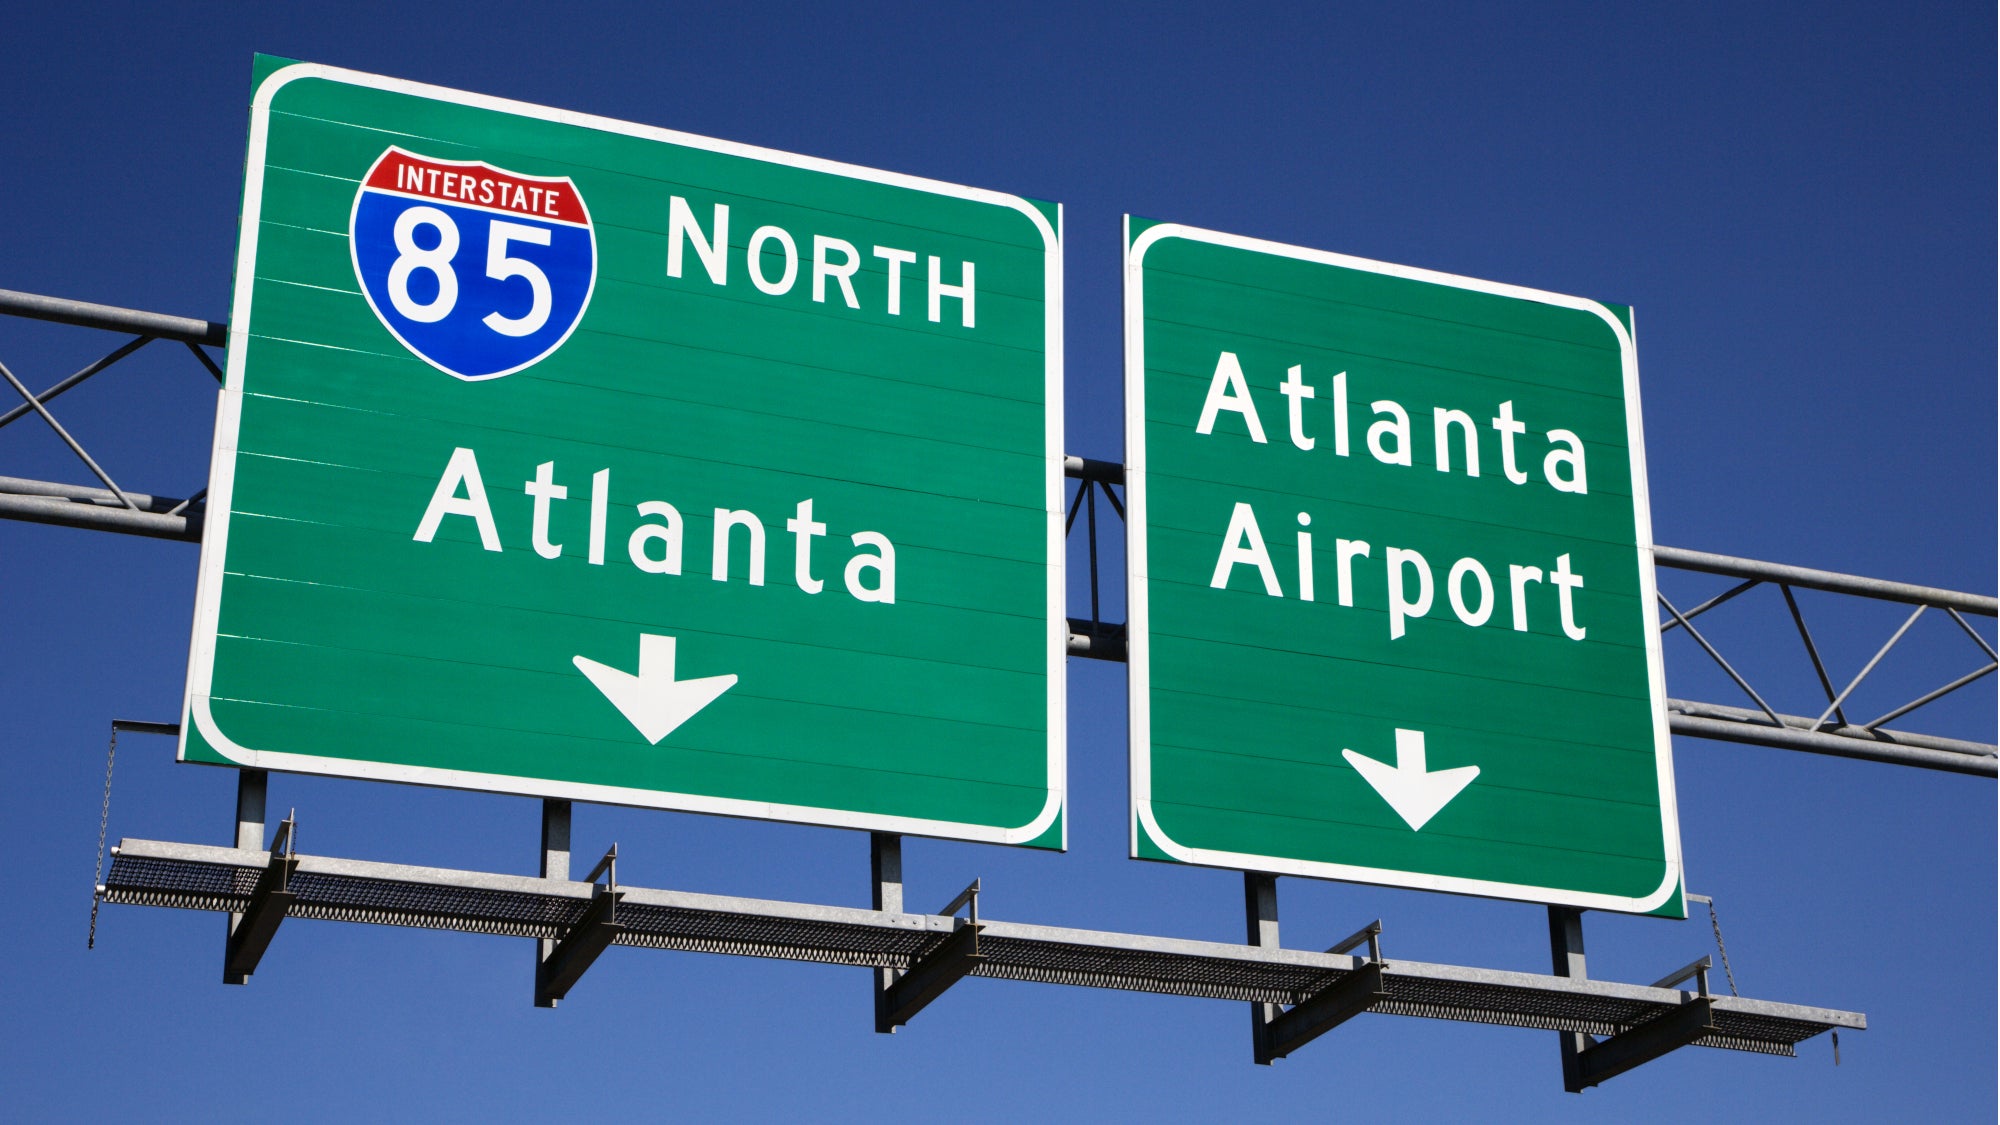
(574, 458)
(1390, 579)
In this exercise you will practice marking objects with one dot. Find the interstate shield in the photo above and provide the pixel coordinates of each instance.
(479, 271)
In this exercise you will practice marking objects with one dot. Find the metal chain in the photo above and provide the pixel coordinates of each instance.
(1715, 925)
(103, 822)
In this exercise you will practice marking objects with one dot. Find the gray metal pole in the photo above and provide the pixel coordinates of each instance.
(1681, 558)
(252, 787)
(1090, 469)
(85, 494)
(87, 315)
(555, 838)
(1260, 925)
(1977, 763)
(885, 871)
(1889, 740)
(94, 517)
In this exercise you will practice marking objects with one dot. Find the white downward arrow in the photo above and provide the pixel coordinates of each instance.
(1413, 791)
(653, 700)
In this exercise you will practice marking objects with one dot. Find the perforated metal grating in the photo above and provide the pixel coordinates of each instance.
(198, 877)
(712, 931)
(1140, 970)
(1514, 1006)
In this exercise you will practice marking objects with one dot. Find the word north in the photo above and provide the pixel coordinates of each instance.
(833, 260)
(657, 545)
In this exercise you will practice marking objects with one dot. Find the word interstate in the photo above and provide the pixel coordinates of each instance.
(1410, 582)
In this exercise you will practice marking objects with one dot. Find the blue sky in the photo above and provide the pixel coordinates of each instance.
(1797, 200)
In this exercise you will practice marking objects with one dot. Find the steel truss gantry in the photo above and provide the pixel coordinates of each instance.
(109, 508)
(1295, 995)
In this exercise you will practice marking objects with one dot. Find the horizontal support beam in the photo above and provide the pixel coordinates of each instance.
(1086, 468)
(928, 978)
(84, 314)
(1323, 1011)
(1099, 641)
(1838, 746)
(91, 515)
(87, 494)
(1648, 1041)
(1680, 558)
(142, 726)
(1879, 736)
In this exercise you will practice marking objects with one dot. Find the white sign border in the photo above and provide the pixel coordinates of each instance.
(215, 533)
(1138, 639)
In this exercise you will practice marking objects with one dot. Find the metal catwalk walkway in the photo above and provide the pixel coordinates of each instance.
(1322, 988)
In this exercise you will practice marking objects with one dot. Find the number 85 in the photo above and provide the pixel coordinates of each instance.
(499, 266)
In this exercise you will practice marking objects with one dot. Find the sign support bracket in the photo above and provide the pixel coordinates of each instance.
(930, 975)
(1694, 1019)
(1328, 1008)
(1586, 1061)
(1275, 1032)
(250, 932)
(591, 935)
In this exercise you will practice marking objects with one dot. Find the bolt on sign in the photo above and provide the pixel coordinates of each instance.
(574, 458)
(1391, 579)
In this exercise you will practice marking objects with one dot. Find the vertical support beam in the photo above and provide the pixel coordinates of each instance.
(251, 789)
(1260, 923)
(885, 877)
(555, 865)
(252, 786)
(885, 871)
(1566, 954)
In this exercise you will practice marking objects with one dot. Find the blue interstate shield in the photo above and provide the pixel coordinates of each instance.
(479, 271)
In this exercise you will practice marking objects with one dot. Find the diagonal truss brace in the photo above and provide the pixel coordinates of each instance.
(1352, 994)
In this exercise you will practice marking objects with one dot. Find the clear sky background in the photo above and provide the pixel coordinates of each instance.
(1798, 200)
